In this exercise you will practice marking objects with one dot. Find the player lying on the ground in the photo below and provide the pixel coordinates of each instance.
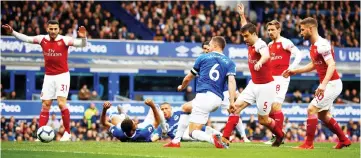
(127, 131)
(172, 119)
(322, 57)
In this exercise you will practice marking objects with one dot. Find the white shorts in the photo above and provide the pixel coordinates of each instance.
(325, 102)
(55, 86)
(203, 104)
(225, 102)
(262, 94)
(281, 88)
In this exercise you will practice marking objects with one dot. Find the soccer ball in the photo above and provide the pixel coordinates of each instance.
(45, 134)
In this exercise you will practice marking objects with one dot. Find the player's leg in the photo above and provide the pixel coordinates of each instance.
(240, 128)
(182, 124)
(62, 83)
(265, 98)
(246, 98)
(203, 104)
(47, 94)
(281, 90)
(332, 124)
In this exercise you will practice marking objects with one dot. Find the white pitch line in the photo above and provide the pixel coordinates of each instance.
(266, 145)
(80, 152)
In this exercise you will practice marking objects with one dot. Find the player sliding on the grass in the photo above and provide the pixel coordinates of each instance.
(127, 131)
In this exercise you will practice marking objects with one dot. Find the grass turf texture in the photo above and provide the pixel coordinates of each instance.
(188, 149)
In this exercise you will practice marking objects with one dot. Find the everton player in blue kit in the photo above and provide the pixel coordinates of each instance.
(213, 69)
(127, 130)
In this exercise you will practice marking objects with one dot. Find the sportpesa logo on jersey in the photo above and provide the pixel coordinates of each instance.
(274, 57)
(51, 53)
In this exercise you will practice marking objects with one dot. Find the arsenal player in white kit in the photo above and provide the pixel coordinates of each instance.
(261, 89)
(330, 87)
(281, 50)
(57, 78)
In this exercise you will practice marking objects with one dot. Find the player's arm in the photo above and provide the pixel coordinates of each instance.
(151, 104)
(103, 120)
(78, 42)
(309, 67)
(264, 51)
(190, 76)
(157, 134)
(297, 53)
(241, 14)
(231, 85)
(20, 36)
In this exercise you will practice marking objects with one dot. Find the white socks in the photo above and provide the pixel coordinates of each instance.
(240, 128)
(202, 136)
(182, 126)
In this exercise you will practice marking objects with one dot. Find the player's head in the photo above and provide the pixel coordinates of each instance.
(308, 27)
(249, 33)
(217, 44)
(53, 28)
(167, 110)
(205, 46)
(273, 29)
(128, 127)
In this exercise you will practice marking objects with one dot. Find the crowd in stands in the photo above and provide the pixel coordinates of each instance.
(30, 18)
(89, 128)
(187, 21)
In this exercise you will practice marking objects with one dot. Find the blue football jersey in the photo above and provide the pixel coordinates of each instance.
(140, 135)
(213, 69)
(173, 125)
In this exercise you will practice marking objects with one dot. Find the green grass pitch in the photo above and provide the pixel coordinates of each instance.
(187, 150)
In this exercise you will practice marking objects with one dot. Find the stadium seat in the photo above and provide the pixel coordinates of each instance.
(158, 99)
(169, 98)
(74, 97)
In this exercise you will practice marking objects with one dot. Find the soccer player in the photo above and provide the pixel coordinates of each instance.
(330, 87)
(57, 78)
(214, 69)
(281, 50)
(261, 89)
(172, 119)
(225, 103)
(126, 130)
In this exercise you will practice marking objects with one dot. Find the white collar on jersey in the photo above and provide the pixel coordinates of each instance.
(218, 52)
(256, 42)
(130, 136)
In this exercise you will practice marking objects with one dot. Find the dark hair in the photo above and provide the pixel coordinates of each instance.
(164, 103)
(251, 28)
(205, 43)
(127, 126)
(53, 22)
(221, 42)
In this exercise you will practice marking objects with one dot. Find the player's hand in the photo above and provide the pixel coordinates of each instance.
(320, 90)
(82, 32)
(240, 9)
(288, 73)
(232, 109)
(149, 102)
(257, 66)
(107, 105)
(179, 89)
(7, 28)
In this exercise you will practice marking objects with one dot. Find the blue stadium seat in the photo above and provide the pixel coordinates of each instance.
(158, 98)
(178, 98)
(74, 97)
(169, 98)
(148, 97)
(100, 90)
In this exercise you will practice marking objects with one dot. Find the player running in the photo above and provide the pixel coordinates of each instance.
(261, 89)
(214, 69)
(57, 78)
(126, 130)
(281, 50)
(330, 87)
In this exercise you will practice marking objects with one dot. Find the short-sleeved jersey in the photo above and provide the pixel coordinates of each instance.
(280, 55)
(55, 53)
(320, 52)
(213, 69)
(264, 75)
(140, 135)
(173, 125)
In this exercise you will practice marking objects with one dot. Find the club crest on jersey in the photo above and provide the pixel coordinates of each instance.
(59, 43)
(176, 117)
(278, 46)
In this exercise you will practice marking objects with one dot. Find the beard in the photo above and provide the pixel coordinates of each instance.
(307, 37)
